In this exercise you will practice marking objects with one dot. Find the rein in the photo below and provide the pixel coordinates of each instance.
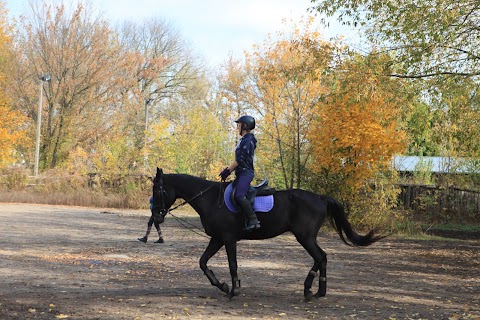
(189, 226)
(188, 201)
(185, 223)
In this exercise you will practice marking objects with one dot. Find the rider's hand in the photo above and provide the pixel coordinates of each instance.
(225, 173)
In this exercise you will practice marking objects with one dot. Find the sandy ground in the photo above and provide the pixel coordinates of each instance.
(60, 262)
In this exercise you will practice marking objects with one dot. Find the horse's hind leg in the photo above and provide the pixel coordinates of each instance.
(320, 263)
(212, 248)
(322, 279)
(232, 264)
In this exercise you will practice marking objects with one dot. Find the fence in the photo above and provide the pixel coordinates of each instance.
(431, 198)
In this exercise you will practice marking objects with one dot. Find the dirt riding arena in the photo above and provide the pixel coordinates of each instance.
(80, 263)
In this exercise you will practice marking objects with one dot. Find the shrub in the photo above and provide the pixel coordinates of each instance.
(57, 188)
(13, 179)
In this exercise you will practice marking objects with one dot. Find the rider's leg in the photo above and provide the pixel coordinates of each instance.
(242, 185)
(247, 210)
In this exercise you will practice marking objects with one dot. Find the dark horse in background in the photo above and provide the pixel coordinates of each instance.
(298, 211)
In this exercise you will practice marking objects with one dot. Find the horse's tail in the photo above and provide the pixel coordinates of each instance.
(339, 221)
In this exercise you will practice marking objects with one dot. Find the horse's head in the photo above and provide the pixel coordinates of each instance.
(162, 198)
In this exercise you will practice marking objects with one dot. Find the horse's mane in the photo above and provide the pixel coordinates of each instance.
(191, 179)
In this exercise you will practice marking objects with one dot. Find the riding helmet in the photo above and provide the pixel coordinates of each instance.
(249, 121)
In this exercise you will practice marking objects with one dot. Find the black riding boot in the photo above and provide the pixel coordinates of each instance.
(247, 210)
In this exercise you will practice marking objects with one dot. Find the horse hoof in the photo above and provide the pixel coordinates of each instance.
(319, 295)
(322, 290)
(308, 295)
(234, 293)
(224, 288)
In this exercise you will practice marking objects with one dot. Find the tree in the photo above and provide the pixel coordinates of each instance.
(162, 69)
(194, 145)
(5, 48)
(455, 106)
(12, 123)
(421, 131)
(75, 48)
(445, 121)
(358, 125)
(428, 37)
(281, 82)
(12, 134)
(434, 43)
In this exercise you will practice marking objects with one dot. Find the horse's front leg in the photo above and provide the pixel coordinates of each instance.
(213, 246)
(231, 248)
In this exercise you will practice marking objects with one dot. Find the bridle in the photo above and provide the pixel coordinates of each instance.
(163, 210)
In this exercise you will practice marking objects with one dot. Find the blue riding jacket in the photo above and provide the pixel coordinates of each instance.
(244, 153)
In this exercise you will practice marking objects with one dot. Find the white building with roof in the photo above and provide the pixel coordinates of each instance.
(436, 164)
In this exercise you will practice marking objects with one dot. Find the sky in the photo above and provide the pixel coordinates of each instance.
(215, 28)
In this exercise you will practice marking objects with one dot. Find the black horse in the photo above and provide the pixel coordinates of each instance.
(298, 211)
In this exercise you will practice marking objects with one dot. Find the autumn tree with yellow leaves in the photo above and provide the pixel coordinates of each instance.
(12, 123)
(328, 121)
(280, 83)
(358, 125)
(357, 130)
(12, 134)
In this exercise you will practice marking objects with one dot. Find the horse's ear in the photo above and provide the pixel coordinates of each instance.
(159, 174)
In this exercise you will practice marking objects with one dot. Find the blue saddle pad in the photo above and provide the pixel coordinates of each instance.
(262, 203)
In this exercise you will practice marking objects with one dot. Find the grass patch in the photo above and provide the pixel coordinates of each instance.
(454, 227)
(421, 237)
(454, 230)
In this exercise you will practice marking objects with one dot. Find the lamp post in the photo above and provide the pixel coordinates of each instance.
(44, 78)
(145, 160)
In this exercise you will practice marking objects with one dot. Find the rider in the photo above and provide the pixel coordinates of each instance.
(243, 166)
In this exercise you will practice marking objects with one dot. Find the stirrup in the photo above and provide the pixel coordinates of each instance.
(252, 226)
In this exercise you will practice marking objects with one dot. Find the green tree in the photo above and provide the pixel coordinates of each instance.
(421, 131)
(428, 37)
(455, 104)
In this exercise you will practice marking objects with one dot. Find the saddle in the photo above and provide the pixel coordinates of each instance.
(260, 190)
(259, 196)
